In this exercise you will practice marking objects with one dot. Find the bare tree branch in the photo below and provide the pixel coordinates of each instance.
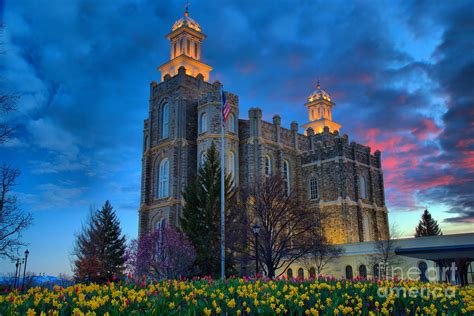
(287, 225)
(385, 256)
(12, 219)
(7, 104)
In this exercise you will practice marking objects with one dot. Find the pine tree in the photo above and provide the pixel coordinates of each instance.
(200, 220)
(427, 226)
(100, 248)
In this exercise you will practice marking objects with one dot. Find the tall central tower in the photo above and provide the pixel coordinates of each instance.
(185, 39)
(183, 121)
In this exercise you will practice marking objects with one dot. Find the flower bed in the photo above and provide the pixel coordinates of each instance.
(243, 296)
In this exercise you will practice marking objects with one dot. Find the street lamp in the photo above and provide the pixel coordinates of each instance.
(24, 268)
(256, 231)
(17, 271)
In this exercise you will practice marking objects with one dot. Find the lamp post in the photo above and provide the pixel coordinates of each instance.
(17, 271)
(24, 268)
(256, 231)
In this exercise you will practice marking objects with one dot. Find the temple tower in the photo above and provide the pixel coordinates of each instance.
(319, 107)
(185, 49)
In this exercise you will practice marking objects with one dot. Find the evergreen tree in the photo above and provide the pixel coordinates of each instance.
(100, 248)
(427, 226)
(200, 220)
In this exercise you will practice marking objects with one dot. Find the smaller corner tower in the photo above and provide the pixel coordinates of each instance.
(185, 41)
(319, 107)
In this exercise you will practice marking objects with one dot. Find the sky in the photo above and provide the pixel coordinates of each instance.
(401, 74)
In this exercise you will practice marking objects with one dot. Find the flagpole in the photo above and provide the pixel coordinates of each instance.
(222, 189)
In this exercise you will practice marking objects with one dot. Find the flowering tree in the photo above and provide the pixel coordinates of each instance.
(165, 253)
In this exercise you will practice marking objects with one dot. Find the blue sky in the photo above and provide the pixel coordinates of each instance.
(401, 74)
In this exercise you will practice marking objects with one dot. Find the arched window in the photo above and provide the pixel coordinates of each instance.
(231, 164)
(165, 118)
(363, 187)
(363, 271)
(231, 122)
(203, 123)
(312, 272)
(160, 227)
(300, 273)
(470, 273)
(286, 175)
(268, 166)
(366, 227)
(422, 266)
(349, 275)
(376, 271)
(164, 178)
(289, 273)
(313, 188)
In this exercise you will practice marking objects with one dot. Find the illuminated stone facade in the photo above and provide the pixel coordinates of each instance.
(336, 176)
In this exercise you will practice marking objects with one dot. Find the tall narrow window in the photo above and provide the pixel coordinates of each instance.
(163, 178)
(363, 187)
(349, 274)
(422, 266)
(231, 122)
(181, 46)
(300, 273)
(313, 188)
(231, 164)
(188, 47)
(376, 271)
(165, 118)
(202, 158)
(366, 228)
(268, 166)
(160, 227)
(286, 176)
(196, 50)
(174, 50)
(203, 123)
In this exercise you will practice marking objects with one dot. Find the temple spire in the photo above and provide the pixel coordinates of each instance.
(185, 48)
(319, 107)
(186, 12)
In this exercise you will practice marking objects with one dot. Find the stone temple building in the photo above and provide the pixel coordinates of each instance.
(338, 176)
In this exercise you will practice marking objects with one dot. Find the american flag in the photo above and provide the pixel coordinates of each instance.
(226, 109)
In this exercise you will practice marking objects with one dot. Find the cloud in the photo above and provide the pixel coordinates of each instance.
(51, 196)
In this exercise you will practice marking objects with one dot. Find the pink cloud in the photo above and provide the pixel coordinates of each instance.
(427, 130)
(408, 164)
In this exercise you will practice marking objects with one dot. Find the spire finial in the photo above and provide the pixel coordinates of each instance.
(186, 12)
(318, 86)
